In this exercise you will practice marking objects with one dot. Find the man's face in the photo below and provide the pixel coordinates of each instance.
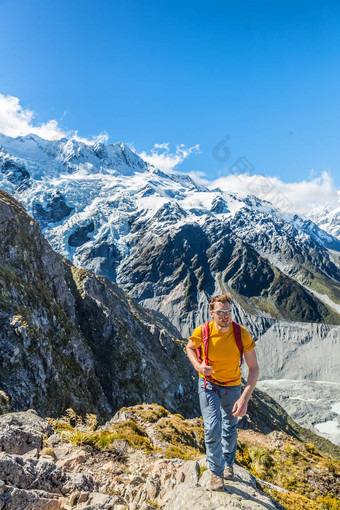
(222, 320)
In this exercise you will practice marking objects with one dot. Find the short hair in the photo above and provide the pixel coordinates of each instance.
(222, 298)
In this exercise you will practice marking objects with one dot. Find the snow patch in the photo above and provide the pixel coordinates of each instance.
(336, 408)
(328, 427)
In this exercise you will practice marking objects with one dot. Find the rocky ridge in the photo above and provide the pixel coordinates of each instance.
(177, 271)
(70, 472)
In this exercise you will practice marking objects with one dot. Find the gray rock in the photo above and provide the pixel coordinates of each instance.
(80, 236)
(191, 472)
(69, 338)
(241, 494)
(31, 474)
(20, 499)
(55, 210)
(97, 501)
(288, 350)
(22, 432)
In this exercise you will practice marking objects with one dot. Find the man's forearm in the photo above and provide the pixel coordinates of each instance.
(193, 358)
(251, 383)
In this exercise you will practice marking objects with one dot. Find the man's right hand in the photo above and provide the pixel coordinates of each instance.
(205, 369)
(200, 367)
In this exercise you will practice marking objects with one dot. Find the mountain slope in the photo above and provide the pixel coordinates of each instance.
(71, 339)
(176, 273)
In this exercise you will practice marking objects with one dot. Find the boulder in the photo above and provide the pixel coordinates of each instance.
(20, 499)
(22, 432)
(31, 474)
(241, 493)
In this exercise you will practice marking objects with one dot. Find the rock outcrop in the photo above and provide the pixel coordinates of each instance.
(22, 432)
(69, 338)
(73, 473)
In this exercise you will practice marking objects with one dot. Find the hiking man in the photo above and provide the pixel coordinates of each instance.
(219, 384)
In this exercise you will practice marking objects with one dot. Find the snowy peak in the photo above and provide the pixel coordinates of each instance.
(328, 218)
(103, 176)
(126, 155)
(42, 157)
(30, 147)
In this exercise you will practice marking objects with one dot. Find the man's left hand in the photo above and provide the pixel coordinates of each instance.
(240, 408)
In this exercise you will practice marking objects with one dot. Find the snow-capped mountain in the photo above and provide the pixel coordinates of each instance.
(168, 241)
(328, 217)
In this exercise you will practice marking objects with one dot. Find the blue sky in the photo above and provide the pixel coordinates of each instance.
(267, 74)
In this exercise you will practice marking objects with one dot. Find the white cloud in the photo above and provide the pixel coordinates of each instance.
(300, 197)
(162, 157)
(101, 138)
(18, 121)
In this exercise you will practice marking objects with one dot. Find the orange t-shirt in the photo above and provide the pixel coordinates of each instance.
(223, 353)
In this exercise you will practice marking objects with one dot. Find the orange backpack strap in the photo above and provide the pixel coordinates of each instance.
(238, 339)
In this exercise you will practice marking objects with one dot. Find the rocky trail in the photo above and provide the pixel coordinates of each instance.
(145, 458)
(66, 476)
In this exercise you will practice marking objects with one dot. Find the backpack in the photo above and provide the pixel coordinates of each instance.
(205, 338)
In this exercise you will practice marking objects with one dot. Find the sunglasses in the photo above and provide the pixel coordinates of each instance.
(220, 313)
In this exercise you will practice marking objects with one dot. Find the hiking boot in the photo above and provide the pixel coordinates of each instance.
(216, 483)
(228, 473)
